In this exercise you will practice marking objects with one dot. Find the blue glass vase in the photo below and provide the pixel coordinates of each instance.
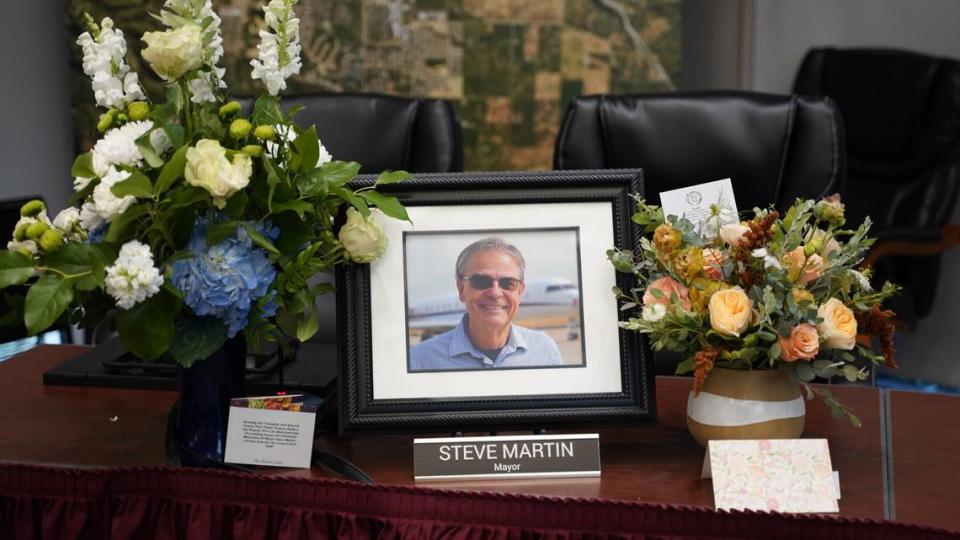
(206, 388)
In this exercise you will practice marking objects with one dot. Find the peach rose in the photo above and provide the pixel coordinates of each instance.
(839, 326)
(668, 287)
(732, 233)
(730, 311)
(802, 268)
(712, 259)
(803, 343)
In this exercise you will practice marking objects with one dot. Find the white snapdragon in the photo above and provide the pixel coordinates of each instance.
(278, 54)
(114, 84)
(862, 281)
(133, 278)
(104, 205)
(769, 261)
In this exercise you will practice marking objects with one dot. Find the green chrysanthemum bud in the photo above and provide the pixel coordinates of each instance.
(138, 110)
(20, 233)
(51, 240)
(106, 120)
(252, 150)
(32, 208)
(36, 230)
(265, 133)
(229, 109)
(240, 128)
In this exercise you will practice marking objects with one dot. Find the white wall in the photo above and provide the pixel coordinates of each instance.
(785, 29)
(36, 146)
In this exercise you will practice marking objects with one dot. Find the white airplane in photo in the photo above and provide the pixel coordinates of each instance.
(546, 303)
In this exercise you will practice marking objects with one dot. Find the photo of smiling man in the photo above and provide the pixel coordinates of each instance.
(490, 282)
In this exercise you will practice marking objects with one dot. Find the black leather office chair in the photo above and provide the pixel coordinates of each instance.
(773, 148)
(383, 132)
(902, 116)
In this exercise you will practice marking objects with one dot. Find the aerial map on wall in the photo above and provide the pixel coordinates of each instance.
(509, 66)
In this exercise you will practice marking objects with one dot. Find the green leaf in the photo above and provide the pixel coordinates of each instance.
(392, 177)
(46, 301)
(308, 147)
(308, 325)
(804, 372)
(196, 338)
(187, 196)
(146, 329)
(312, 183)
(137, 185)
(15, 268)
(292, 111)
(218, 232)
(357, 202)
(83, 166)
(686, 366)
(295, 205)
(338, 173)
(83, 260)
(387, 204)
(121, 222)
(775, 350)
(657, 293)
(266, 112)
(173, 170)
(260, 239)
(148, 152)
(851, 373)
(176, 133)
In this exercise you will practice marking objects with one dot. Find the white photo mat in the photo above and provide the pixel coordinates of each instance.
(602, 373)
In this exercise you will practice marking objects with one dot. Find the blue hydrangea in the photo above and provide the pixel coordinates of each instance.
(97, 234)
(227, 280)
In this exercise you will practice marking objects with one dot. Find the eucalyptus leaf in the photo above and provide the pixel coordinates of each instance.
(15, 268)
(196, 338)
(46, 300)
(804, 372)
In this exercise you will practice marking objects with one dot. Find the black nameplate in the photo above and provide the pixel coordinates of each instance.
(523, 456)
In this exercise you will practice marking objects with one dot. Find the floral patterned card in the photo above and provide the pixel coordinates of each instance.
(786, 475)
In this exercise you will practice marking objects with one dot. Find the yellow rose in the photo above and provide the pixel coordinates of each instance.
(701, 289)
(802, 295)
(839, 326)
(666, 238)
(730, 311)
(174, 52)
(208, 167)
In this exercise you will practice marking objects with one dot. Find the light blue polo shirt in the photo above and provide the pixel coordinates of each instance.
(453, 350)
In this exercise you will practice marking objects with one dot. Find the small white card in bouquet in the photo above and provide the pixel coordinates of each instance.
(708, 206)
(275, 430)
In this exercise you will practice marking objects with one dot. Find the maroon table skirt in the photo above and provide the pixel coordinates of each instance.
(156, 502)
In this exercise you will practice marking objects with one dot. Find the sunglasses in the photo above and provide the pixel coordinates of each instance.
(481, 281)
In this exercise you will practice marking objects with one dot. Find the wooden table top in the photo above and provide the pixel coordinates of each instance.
(919, 466)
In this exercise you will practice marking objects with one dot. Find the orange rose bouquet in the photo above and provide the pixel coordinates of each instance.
(764, 293)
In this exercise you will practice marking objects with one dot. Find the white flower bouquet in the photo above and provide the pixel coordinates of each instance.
(765, 293)
(193, 220)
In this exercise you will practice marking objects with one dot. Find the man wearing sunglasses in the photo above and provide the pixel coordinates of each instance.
(489, 277)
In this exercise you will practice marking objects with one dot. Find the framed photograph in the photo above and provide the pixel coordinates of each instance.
(493, 308)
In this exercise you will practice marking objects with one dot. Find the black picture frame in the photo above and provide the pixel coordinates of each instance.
(359, 410)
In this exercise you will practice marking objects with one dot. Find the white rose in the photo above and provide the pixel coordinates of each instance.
(363, 239)
(174, 52)
(209, 168)
(732, 233)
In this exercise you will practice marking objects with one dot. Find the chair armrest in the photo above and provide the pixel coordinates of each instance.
(913, 242)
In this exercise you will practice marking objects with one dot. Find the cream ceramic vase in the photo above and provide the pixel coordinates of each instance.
(741, 404)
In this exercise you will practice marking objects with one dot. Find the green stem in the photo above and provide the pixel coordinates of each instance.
(64, 274)
(187, 111)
